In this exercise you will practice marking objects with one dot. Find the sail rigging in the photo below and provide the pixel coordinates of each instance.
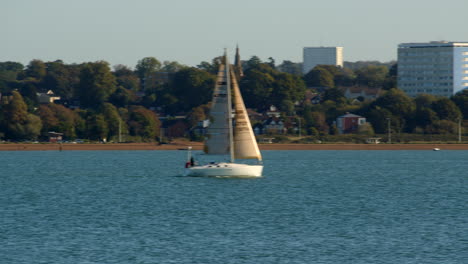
(223, 138)
(245, 144)
(218, 132)
(229, 132)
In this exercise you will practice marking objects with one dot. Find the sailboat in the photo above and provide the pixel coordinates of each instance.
(228, 134)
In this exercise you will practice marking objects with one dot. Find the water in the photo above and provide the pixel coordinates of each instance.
(311, 207)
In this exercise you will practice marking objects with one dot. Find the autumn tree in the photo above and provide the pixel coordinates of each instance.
(143, 122)
(17, 122)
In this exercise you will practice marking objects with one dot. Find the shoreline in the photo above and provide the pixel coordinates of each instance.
(199, 146)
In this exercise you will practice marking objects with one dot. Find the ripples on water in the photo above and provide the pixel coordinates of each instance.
(311, 207)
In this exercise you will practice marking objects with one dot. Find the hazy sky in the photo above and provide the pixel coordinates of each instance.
(191, 31)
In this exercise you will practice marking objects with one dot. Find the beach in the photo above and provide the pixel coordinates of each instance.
(182, 145)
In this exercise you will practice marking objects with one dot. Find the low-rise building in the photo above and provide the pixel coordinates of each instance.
(349, 123)
(47, 97)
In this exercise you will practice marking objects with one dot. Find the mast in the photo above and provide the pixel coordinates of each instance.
(229, 101)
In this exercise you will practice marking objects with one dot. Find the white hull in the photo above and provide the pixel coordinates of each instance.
(225, 170)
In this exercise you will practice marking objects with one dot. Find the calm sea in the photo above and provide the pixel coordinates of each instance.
(311, 207)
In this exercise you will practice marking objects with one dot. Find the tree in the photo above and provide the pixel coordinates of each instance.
(400, 107)
(145, 68)
(461, 100)
(446, 109)
(366, 129)
(97, 83)
(254, 62)
(192, 87)
(319, 77)
(122, 97)
(210, 67)
(290, 67)
(97, 127)
(257, 87)
(9, 72)
(17, 122)
(114, 122)
(61, 79)
(335, 95)
(371, 76)
(198, 114)
(143, 122)
(49, 120)
(172, 66)
(66, 120)
(36, 69)
(287, 87)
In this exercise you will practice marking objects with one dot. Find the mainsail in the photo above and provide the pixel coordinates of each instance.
(245, 144)
(222, 138)
(218, 132)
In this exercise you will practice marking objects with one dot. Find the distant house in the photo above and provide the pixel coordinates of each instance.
(201, 127)
(349, 123)
(273, 126)
(273, 112)
(373, 140)
(254, 116)
(47, 97)
(55, 137)
(311, 97)
(363, 92)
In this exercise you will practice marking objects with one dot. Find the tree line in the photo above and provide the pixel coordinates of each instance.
(99, 102)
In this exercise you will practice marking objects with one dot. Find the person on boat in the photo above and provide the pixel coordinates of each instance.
(192, 162)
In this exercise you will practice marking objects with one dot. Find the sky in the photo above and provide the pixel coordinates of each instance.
(192, 31)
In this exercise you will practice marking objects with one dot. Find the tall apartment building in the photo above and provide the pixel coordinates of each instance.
(438, 68)
(313, 56)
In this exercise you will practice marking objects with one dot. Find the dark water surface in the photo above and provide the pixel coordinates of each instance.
(311, 207)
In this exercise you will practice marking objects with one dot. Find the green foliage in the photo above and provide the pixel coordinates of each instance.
(192, 87)
(36, 69)
(17, 122)
(189, 90)
(371, 76)
(97, 127)
(97, 83)
(61, 79)
(122, 97)
(146, 66)
(263, 86)
(172, 66)
(198, 114)
(319, 77)
(143, 122)
(366, 129)
(290, 67)
(446, 109)
(335, 95)
(113, 119)
(461, 100)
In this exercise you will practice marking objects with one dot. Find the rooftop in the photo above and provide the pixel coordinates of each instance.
(434, 44)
